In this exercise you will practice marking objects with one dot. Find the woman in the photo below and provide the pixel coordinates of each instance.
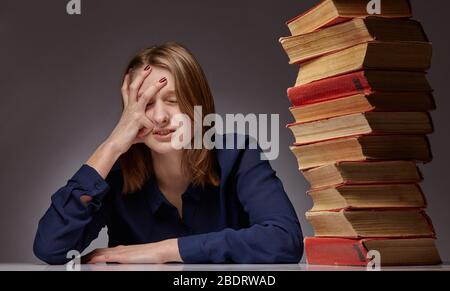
(162, 204)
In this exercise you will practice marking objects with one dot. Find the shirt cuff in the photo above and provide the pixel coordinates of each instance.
(91, 182)
(191, 249)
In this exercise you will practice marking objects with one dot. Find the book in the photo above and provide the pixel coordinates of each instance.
(362, 123)
(371, 223)
(360, 82)
(361, 103)
(367, 196)
(363, 148)
(354, 252)
(330, 12)
(377, 55)
(375, 172)
(301, 48)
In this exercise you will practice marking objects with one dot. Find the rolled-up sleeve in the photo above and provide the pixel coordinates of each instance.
(274, 234)
(69, 224)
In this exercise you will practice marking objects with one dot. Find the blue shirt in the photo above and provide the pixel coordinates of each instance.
(248, 218)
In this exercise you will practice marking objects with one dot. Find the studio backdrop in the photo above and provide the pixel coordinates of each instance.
(61, 74)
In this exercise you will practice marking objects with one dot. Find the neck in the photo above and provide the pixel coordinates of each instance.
(168, 170)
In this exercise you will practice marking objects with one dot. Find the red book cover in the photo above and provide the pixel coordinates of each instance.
(328, 89)
(340, 252)
(335, 251)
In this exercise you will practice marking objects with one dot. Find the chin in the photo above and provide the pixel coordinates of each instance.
(160, 147)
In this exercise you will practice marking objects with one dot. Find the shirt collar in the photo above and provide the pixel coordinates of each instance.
(157, 199)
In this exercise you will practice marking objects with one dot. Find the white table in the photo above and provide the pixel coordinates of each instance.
(209, 267)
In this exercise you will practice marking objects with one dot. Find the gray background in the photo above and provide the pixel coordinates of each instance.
(60, 78)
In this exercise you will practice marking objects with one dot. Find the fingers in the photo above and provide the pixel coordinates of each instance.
(86, 258)
(107, 258)
(142, 133)
(148, 128)
(151, 91)
(102, 255)
(136, 84)
(147, 123)
(124, 89)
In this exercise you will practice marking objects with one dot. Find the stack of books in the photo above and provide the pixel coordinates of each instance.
(361, 105)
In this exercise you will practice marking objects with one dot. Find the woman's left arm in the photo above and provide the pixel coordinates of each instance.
(274, 235)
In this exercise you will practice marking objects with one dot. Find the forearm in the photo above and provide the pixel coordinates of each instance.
(104, 157)
(270, 242)
(68, 224)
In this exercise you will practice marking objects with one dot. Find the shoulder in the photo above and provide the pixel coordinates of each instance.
(237, 152)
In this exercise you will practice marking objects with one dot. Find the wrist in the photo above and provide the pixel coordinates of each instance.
(112, 147)
(169, 251)
(103, 159)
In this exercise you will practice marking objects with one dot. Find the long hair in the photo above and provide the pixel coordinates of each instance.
(191, 88)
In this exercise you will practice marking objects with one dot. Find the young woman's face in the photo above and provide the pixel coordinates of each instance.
(160, 110)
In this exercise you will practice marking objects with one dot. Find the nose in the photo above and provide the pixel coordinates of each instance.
(158, 114)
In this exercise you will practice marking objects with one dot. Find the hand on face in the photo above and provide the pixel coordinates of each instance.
(134, 124)
(161, 109)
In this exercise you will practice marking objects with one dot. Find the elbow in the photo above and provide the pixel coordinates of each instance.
(47, 254)
(299, 246)
(290, 247)
(293, 250)
(278, 243)
(296, 251)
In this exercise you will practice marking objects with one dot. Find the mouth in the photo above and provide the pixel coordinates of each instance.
(163, 131)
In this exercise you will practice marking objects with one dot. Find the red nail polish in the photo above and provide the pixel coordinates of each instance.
(147, 68)
(163, 80)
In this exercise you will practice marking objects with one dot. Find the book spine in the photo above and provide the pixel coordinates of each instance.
(329, 89)
(335, 251)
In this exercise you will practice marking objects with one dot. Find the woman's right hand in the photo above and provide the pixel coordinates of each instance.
(134, 125)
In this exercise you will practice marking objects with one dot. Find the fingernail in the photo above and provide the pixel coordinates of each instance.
(147, 68)
(163, 80)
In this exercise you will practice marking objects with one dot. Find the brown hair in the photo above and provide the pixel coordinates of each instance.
(192, 89)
